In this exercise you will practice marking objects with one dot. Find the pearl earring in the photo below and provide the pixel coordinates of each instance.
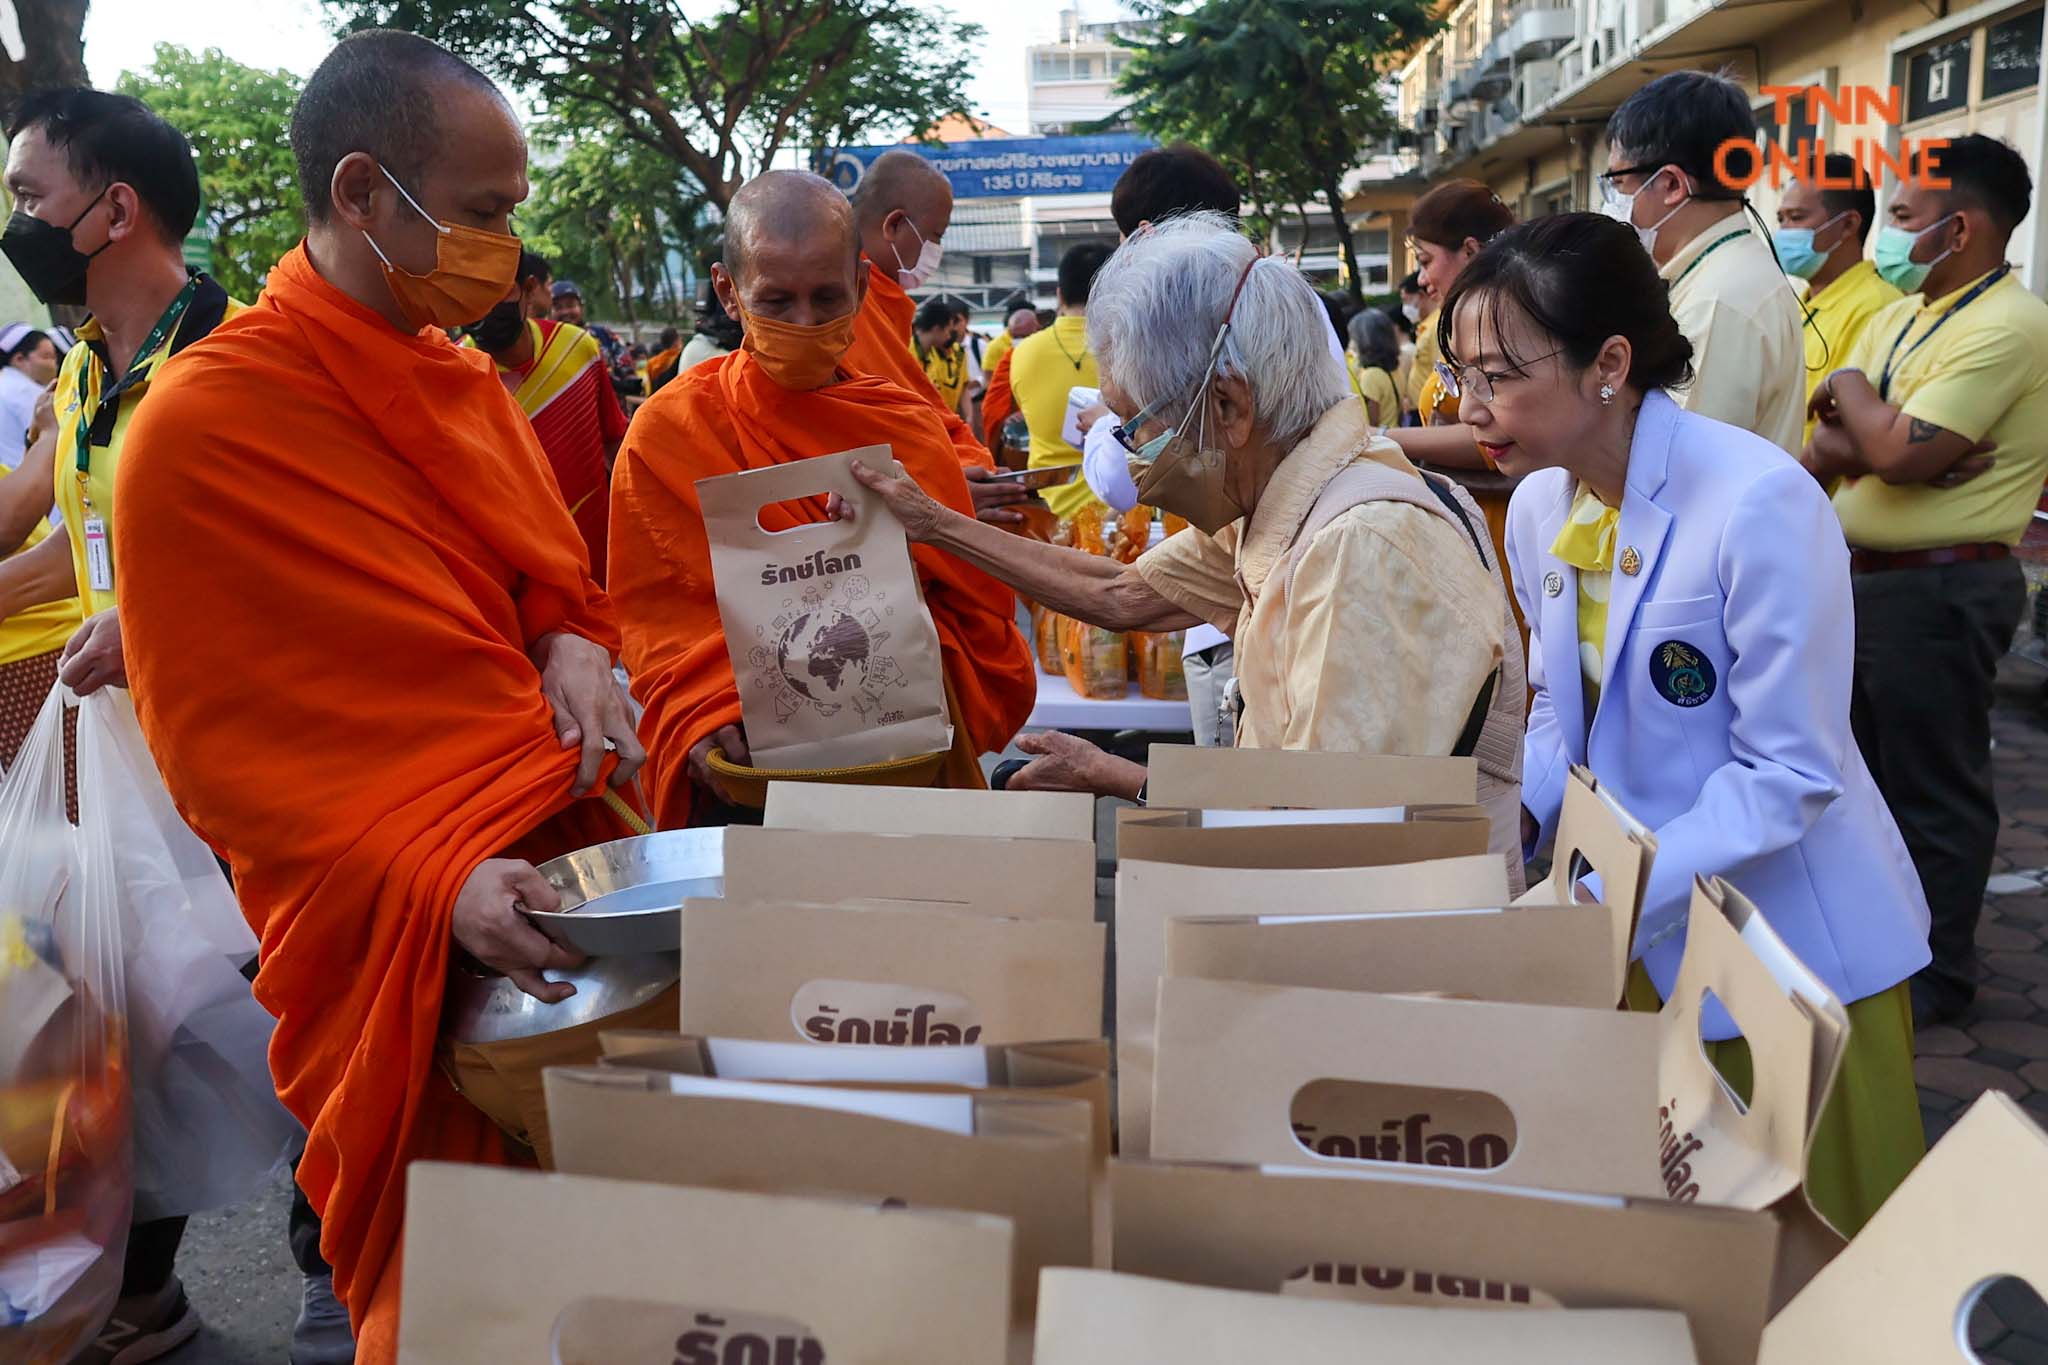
(1606, 394)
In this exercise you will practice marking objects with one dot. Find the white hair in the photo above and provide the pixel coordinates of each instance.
(1154, 309)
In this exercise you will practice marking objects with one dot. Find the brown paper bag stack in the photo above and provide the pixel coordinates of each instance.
(1972, 1213)
(1093, 1317)
(504, 1265)
(836, 656)
(1526, 1095)
(1425, 1240)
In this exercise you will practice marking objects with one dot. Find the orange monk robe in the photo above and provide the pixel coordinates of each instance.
(328, 615)
(881, 346)
(998, 403)
(724, 416)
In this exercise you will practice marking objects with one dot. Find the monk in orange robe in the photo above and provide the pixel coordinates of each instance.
(998, 403)
(902, 206)
(794, 277)
(363, 637)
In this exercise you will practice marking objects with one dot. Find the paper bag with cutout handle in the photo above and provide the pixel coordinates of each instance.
(501, 1265)
(1970, 1214)
(984, 874)
(901, 977)
(1594, 833)
(1092, 1317)
(847, 809)
(834, 651)
(1031, 1161)
(1430, 1241)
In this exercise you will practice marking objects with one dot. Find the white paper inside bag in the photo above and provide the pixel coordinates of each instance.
(943, 1113)
(1383, 915)
(1366, 815)
(742, 1059)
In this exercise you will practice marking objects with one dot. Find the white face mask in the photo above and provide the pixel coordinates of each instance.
(1412, 312)
(928, 256)
(1622, 208)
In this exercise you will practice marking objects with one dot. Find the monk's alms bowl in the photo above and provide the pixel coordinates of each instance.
(626, 896)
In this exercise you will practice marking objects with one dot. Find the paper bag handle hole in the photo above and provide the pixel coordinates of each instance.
(1732, 1071)
(799, 513)
(1995, 1310)
(1577, 870)
(1414, 1125)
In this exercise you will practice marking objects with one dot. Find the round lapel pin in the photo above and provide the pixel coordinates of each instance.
(1553, 583)
(1631, 561)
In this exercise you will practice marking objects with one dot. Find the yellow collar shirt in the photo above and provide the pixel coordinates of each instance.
(1736, 308)
(1044, 368)
(1982, 374)
(1840, 313)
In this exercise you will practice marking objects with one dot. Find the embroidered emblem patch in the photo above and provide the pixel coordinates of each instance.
(1681, 674)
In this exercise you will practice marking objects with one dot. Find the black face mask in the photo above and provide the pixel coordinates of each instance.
(498, 329)
(43, 255)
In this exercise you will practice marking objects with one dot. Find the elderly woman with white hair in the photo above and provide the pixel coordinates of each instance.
(1363, 599)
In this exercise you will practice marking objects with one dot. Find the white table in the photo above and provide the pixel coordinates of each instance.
(1059, 708)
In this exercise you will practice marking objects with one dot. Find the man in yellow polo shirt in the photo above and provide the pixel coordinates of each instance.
(1938, 424)
(1820, 239)
(1048, 364)
(1021, 323)
(936, 334)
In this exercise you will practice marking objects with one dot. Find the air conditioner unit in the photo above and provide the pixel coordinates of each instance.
(1537, 83)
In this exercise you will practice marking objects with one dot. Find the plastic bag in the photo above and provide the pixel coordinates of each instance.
(1097, 660)
(209, 1130)
(1159, 669)
(65, 1172)
(1045, 633)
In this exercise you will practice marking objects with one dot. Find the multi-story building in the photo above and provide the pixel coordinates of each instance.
(1516, 93)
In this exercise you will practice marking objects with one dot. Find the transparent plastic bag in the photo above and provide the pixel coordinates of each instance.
(65, 1121)
(209, 1130)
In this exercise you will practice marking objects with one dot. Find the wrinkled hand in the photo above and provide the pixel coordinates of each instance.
(92, 657)
(1975, 462)
(1067, 763)
(995, 501)
(732, 741)
(487, 922)
(916, 509)
(590, 711)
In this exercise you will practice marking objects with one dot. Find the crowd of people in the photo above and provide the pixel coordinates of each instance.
(369, 587)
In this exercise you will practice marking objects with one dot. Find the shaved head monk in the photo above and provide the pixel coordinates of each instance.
(902, 208)
(365, 644)
(794, 277)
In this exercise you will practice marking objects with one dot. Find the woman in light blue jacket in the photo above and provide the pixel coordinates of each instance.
(1691, 628)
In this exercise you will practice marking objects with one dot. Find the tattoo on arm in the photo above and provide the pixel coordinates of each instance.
(1919, 432)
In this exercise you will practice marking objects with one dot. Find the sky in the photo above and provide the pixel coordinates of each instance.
(121, 35)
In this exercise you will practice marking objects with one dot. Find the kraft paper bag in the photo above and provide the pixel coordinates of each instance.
(1072, 1070)
(1970, 1214)
(516, 1266)
(1381, 877)
(836, 656)
(847, 809)
(1596, 835)
(1184, 776)
(1543, 955)
(1094, 1317)
(983, 874)
(1422, 1240)
(901, 977)
(1031, 1161)
(1345, 1079)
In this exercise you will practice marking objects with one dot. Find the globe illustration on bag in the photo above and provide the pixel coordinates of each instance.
(823, 654)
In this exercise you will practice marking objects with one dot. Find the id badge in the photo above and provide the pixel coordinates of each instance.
(99, 559)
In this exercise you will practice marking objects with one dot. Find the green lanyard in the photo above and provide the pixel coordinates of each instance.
(158, 335)
(1712, 247)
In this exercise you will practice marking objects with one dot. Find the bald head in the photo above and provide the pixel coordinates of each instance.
(383, 92)
(903, 201)
(1022, 324)
(791, 252)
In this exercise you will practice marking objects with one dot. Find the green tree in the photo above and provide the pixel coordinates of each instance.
(718, 94)
(237, 119)
(1290, 91)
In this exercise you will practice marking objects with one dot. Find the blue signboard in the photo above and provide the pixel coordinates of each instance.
(992, 168)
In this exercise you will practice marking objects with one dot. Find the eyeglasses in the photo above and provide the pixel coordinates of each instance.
(1611, 176)
(1460, 380)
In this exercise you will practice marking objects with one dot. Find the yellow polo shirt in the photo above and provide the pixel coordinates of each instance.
(1043, 368)
(1374, 384)
(946, 367)
(996, 350)
(1734, 306)
(1984, 375)
(1840, 313)
(39, 630)
(79, 384)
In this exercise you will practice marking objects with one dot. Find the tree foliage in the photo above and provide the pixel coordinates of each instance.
(1288, 91)
(720, 94)
(237, 118)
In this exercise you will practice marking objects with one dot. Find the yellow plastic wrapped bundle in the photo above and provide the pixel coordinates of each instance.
(1158, 659)
(1097, 660)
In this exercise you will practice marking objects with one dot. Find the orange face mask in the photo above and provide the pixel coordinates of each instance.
(472, 270)
(795, 357)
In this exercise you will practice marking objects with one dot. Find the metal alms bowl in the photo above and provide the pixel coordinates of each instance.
(626, 896)
(490, 1009)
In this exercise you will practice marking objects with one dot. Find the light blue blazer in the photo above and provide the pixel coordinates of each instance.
(1723, 721)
